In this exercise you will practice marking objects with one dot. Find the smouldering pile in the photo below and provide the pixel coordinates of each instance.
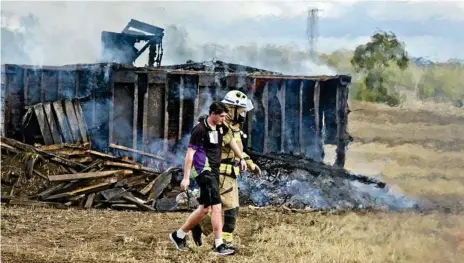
(299, 183)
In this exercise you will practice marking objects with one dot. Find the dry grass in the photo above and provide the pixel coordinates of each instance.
(416, 149)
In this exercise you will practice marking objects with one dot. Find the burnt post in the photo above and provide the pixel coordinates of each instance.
(342, 120)
(317, 125)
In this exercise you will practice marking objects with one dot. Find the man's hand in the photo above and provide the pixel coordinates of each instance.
(184, 184)
(257, 171)
(243, 165)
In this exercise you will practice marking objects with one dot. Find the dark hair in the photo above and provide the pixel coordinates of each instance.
(218, 108)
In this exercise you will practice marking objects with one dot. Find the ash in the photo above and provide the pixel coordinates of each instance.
(304, 184)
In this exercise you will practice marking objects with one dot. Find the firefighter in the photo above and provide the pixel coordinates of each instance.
(238, 105)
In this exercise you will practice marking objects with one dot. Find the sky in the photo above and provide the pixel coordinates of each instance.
(69, 32)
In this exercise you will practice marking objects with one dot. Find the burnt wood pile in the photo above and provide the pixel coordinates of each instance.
(68, 175)
(295, 182)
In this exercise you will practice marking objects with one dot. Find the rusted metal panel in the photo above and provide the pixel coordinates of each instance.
(72, 119)
(14, 100)
(125, 76)
(173, 108)
(49, 85)
(32, 86)
(250, 89)
(257, 123)
(156, 77)
(292, 105)
(52, 123)
(189, 96)
(205, 80)
(62, 122)
(68, 85)
(43, 124)
(123, 114)
(281, 96)
(274, 116)
(155, 118)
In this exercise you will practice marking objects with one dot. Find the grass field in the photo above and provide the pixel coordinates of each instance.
(418, 148)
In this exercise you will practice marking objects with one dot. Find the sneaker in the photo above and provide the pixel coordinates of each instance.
(230, 246)
(196, 235)
(180, 243)
(223, 250)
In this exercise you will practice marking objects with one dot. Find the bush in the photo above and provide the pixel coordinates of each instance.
(379, 95)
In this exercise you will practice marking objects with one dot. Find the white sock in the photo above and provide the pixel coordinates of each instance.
(218, 242)
(181, 233)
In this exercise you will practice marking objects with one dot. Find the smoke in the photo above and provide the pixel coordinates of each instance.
(30, 35)
(300, 189)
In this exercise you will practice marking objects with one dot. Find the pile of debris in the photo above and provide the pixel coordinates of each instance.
(295, 182)
(67, 175)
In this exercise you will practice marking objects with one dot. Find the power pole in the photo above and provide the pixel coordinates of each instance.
(312, 30)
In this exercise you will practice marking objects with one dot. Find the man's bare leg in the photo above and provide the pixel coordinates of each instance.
(216, 221)
(178, 237)
(195, 217)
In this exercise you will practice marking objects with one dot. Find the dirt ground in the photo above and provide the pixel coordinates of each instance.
(418, 150)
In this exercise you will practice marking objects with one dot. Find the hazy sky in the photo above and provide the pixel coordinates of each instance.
(69, 32)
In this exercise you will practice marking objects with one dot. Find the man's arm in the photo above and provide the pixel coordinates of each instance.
(188, 162)
(187, 168)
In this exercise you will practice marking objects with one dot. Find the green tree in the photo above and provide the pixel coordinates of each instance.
(373, 61)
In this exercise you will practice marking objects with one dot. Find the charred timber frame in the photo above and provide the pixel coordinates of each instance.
(153, 110)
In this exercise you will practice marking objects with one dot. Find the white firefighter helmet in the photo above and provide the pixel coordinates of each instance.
(236, 98)
(249, 107)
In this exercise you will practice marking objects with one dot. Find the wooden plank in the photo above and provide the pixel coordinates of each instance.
(85, 190)
(161, 182)
(282, 110)
(148, 187)
(300, 118)
(131, 166)
(89, 201)
(111, 114)
(90, 175)
(62, 122)
(342, 96)
(43, 124)
(49, 191)
(265, 102)
(81, 120)
(317, 136)
(71, 115)
(166, 115)
(120, 147)
(52, 124)
(135, 115)
(181, 106)
(130, 198)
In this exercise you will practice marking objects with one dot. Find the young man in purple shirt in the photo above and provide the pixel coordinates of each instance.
(203, 159)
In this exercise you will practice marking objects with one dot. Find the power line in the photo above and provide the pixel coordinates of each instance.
(312, 29)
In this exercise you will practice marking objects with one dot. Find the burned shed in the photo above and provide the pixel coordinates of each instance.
(146, 113)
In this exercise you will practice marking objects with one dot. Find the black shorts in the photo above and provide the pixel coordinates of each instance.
(209, 188)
